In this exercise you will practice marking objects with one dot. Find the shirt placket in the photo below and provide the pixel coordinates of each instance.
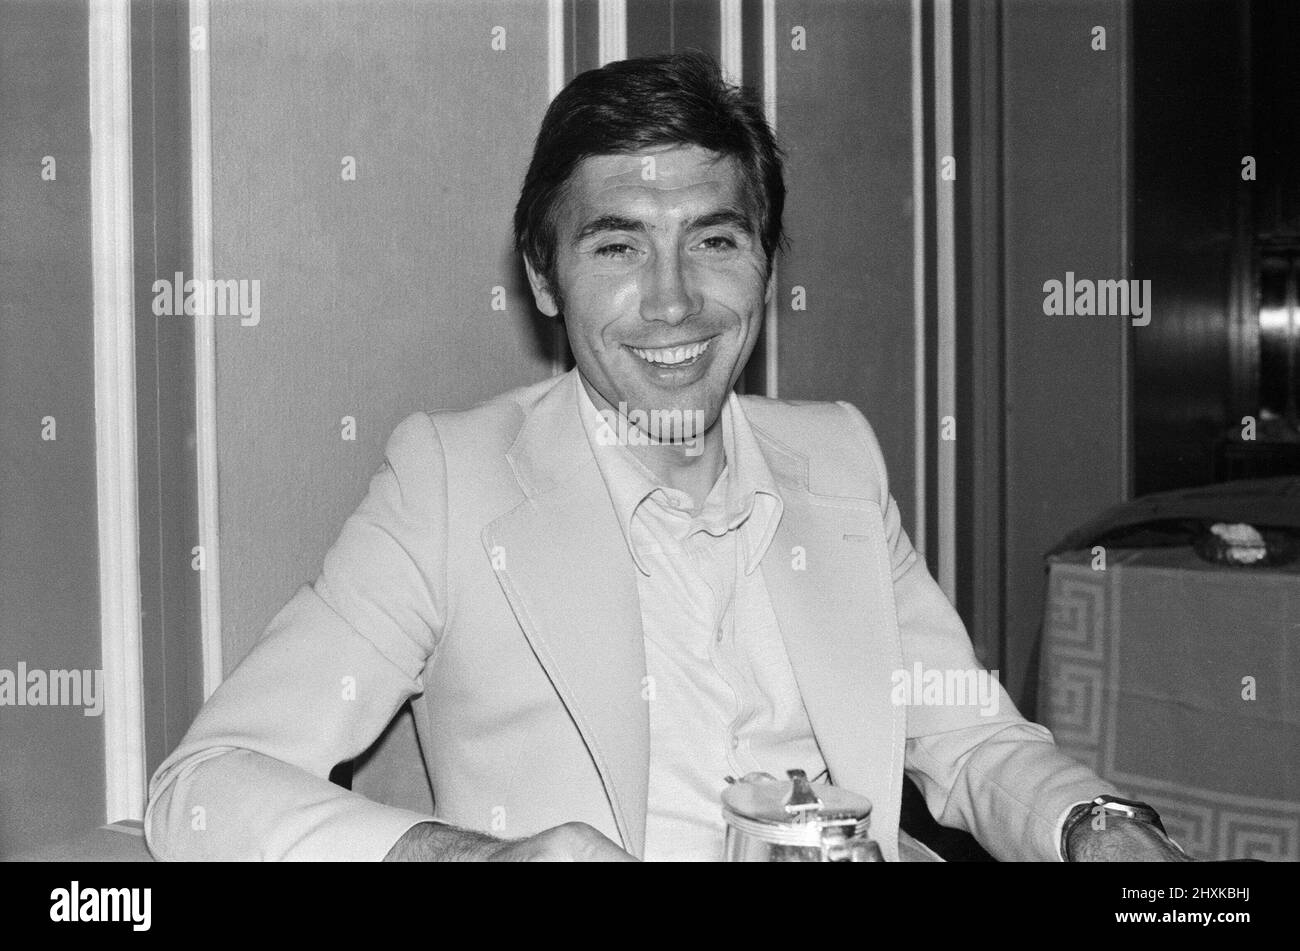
(718, 560)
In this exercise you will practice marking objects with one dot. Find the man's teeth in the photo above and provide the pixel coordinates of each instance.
(673, 356)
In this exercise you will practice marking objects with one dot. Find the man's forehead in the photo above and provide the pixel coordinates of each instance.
(659, 170)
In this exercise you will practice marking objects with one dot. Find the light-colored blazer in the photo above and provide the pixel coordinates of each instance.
(484, 578)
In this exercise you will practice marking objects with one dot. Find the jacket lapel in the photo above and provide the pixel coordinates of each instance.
(828, 577)
(565, 568)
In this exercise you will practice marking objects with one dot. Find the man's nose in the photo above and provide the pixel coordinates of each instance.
(667, 291)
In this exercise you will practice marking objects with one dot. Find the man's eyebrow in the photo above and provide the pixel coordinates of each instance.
(732, 217)
(608, 223)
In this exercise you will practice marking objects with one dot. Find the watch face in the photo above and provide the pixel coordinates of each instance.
(1116, 800)
(1130, 809)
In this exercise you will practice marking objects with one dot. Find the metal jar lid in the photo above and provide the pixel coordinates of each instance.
(793, 812)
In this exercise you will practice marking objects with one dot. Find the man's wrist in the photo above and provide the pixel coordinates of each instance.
(439, 842)
(1109, 828)
(1066, 820)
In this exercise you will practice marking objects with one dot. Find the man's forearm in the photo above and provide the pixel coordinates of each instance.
(210, 802)
(437, 842)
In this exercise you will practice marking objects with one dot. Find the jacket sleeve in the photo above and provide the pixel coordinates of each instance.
(981, 766)
(250, 779)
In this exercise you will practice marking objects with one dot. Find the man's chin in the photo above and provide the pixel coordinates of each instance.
(651, 419)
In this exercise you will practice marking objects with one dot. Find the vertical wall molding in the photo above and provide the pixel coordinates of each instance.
(115, 432)
(1125, 136)
(554, 48)
(612, 19)
(730, 42)
(946, 311)
(978, 131)
(918, 280)
(555, 79)
(205, 352)
(771, 334)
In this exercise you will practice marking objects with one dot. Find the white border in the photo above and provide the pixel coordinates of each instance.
(205, 352)
(612, 26)
(918, 278)
(115, 435)
(946, 316)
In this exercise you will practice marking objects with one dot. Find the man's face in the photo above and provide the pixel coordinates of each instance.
(663, 279)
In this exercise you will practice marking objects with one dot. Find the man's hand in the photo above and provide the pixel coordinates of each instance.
(571, 842)
(1122, 840)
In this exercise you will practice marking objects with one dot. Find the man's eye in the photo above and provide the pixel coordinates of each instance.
(718, 242)
(614, 250)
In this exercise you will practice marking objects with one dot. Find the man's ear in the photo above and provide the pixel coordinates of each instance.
(541, 291)
(771, 284)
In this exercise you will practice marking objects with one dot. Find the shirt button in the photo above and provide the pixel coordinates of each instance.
(735, 742)
(719, 635)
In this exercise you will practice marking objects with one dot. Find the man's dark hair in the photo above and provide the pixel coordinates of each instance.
(634, 104)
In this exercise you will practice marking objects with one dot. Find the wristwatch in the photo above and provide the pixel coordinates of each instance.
(1107, 806)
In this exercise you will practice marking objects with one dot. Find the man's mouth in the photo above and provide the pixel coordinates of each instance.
(673, 357)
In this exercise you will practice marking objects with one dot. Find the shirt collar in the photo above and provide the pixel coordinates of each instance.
(745, 497)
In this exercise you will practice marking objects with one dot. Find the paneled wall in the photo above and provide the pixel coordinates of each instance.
(844, 112)
(376, 293)
(1064, 186)
(51, 757)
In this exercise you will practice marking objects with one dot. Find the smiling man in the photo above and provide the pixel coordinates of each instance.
(606, 593)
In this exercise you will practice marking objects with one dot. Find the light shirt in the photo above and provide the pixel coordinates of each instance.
(722, 697)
